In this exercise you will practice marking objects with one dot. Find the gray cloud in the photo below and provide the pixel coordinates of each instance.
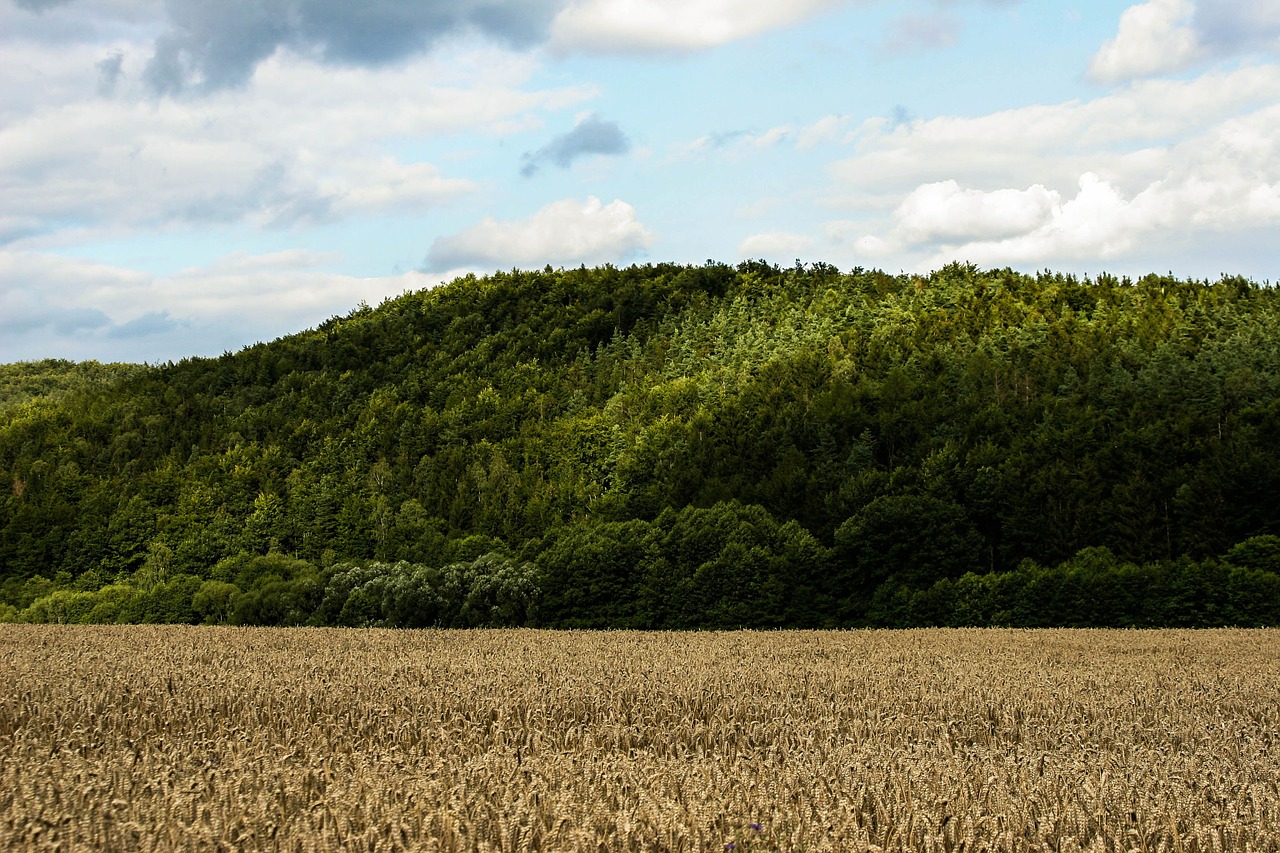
(273, 193)
(1237, 26)
(39, 6)
(36, 314)
(215, 44)
(16, 227)
(151, 323)
(590, 136)
(726, 137)
(68, 320)
(109, 71)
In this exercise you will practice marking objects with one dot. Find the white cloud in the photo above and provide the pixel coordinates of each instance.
(872, 246)
(671, 25)
(568, 231)
(832, 128)
(772, 137)
(773, 245)
(1099, 223)
(1226, 179)
(1161, 36)
(1158, 164)
(53, 305)
(944, 211)
(1154, 37)
(1124, 137)
(307, 143)
(385, 184)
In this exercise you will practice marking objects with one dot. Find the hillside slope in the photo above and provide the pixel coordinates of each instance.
(646, 441)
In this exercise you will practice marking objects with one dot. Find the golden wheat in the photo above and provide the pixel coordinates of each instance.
(163, 738)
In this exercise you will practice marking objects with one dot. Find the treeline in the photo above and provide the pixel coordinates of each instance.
(54, 378)
(671, 446)
(696, 569)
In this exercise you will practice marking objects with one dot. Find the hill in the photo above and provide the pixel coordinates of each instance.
(53, 378)
(672, 446)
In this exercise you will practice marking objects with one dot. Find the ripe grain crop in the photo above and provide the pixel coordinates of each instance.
(165, 738)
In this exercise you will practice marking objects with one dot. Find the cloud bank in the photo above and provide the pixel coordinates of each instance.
(312, 146)
(201, 46)
(1160, 160)
(72, 308)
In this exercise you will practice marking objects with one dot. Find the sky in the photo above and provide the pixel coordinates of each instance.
(187, 177)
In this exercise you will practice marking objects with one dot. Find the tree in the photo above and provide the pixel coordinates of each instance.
(909, 540)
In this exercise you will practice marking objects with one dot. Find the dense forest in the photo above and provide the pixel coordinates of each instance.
(53, 379)
(668, 446)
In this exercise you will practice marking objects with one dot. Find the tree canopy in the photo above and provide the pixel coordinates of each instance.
(673, 446)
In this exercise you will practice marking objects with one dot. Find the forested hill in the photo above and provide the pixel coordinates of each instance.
(672, 446)
(53, 378)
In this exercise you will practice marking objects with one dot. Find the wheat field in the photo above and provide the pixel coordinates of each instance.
(165, 738)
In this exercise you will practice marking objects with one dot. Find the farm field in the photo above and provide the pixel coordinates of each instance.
(203, 738)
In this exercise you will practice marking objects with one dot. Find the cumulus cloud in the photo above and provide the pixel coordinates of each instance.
(591, 135)
(671, 25)
(1161, 36)
(1222, 180)
(1160, 162)
(1153, 37)
(1098, 223)
(945, 211)
(564, 232)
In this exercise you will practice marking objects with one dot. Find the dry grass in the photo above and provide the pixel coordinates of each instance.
(160, 738)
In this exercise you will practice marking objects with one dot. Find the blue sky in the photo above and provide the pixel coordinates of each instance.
(185, 177)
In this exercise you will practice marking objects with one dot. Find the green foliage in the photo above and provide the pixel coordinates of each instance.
(56, 379)
(1094, 589)
(905, 540)
(213, 601)
(1261, 553)
(726, 566)
(672, 446)
(490, 591)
